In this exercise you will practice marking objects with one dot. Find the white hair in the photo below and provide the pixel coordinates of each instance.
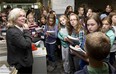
(13, 15)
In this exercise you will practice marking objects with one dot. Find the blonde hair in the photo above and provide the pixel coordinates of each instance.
(13, 15)
(67, 22)
(28, 16)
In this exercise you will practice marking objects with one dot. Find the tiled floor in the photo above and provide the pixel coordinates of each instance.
(58, 69)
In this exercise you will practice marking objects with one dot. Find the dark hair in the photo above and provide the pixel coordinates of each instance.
(51, 12)
(29, 11)
(86, 10)
(42, 16)
(109, 6)
(97, 45)
(96, 17)
(67, 10)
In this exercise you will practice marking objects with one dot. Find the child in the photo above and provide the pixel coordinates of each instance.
(3, 24)
(30, 21)
(97, 46)
(89, 12)
(43, 21)
(113, 49)
(93, 24)
(50, 40)
(32, 25)
(81, 15)
(62, 35)
(75, 30)
(107, 29)
(68, 9)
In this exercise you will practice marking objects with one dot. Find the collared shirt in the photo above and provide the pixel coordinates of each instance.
(111, 69)
(81, 37)
(20, 28)
(103, 70)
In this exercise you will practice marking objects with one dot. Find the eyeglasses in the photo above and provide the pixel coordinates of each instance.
(73, 19)
(90, 24)
(3, 15)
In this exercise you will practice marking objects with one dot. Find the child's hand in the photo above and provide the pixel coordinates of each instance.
(65, 39)
(47, 34)
(35, 35)
(69, 40)
(77, 46)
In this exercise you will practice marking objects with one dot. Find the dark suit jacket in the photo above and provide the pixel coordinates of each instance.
(19, 48)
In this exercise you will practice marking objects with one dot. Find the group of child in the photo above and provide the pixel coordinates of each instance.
(96, 37)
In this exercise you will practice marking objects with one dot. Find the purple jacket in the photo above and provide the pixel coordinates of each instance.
(52, 36)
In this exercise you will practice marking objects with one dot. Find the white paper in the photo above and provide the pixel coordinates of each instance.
(3, 33)
(38, 28)
(51, 31)
(33, 33)
(40, 51)
(77, 49)
(37, 43)
(4, 69)
(72, 38)
(42, 37)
